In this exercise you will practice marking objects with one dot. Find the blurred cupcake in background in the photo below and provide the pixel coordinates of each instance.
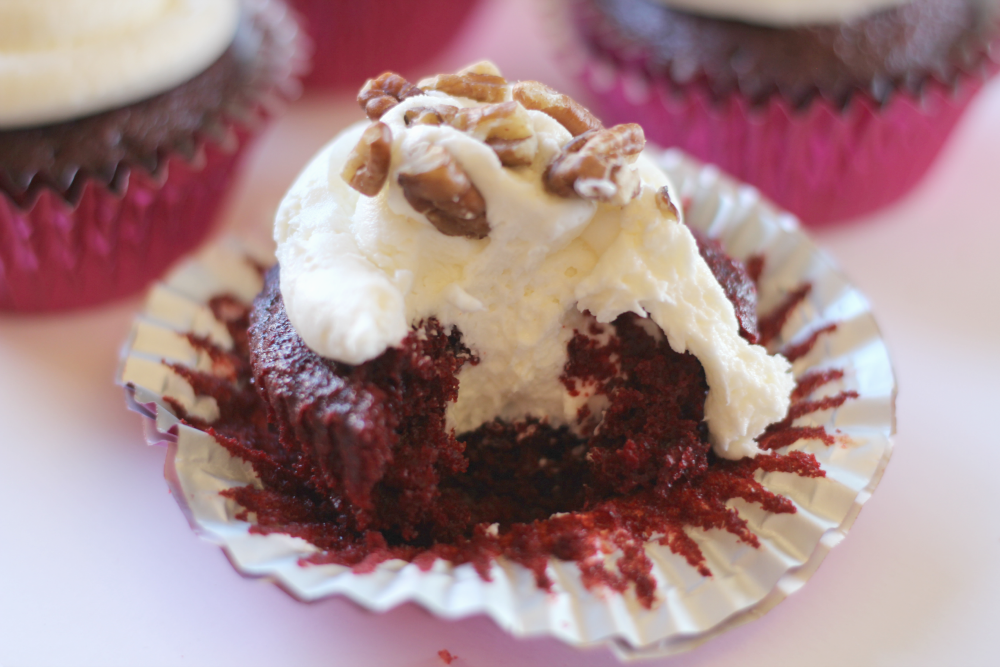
(833, 108)
(121, 124)
(353, 38)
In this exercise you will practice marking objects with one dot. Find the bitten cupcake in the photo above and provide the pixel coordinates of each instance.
(353, 39)
(832, 108)
(120, 128)
(496, 371)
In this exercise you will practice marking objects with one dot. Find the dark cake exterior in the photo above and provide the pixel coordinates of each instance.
(833, 114)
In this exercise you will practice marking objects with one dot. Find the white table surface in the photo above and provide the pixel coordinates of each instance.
(98, 565)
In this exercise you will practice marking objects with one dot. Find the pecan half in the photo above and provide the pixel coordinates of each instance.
(482, 87)
(385, 91)
(568, 112)
(434, 184)
(367, 166)
(598, 166)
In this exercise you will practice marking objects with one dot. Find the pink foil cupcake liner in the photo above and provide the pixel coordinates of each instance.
(63, 248)
(55, 256)
(821, 162)
(355, 40)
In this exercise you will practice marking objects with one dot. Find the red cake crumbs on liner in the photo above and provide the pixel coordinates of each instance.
(446, 657)
(770, 325)
(527, 491)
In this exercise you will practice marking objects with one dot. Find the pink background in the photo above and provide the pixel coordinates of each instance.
(99, 567)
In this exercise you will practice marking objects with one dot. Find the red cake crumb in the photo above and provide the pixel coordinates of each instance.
(446, 657)
(526, 491)
(799, 350)
(770, 325)
(755, 268)
(739, 284)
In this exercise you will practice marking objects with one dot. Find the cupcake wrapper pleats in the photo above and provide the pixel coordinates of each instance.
(56, 256)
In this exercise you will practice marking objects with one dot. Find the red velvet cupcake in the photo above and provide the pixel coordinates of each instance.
(353, 39)
(832, 109)
(112, 169)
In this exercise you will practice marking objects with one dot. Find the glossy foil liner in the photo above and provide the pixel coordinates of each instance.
(821, 162)
(101, 239)
(353, 40)
(690, 608)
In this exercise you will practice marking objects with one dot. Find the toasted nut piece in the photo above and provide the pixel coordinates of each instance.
(666, 204)
(385, 91)
(515, 152)
(507, 120)
(482, 67)
(435, 185)
(429, 115)
(568, 112)
(626, 141)
(474, 86)
(367, 166)
(506, 127)
(597, 166)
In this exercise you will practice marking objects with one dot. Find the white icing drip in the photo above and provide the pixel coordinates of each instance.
(63, 59)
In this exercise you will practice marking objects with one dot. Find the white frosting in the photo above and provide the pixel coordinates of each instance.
(356, 272)
(62, 59)
(785, 12)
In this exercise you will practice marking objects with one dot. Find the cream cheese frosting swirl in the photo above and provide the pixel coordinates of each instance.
(784, 13)
(63, 59)
(358, 271)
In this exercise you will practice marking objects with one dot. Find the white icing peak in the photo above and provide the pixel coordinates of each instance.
(63, 59)
(357, 272)
(785, 13)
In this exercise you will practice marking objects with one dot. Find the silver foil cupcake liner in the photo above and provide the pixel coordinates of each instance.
(690, 608)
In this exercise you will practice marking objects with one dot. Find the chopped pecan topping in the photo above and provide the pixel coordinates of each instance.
(472, 85)
(666, 204)
(382, 93)
(505, 127)
(506, 120)
(435, 185)
(430, 115)
(568, 112)
(367, 166)
(515, 152)
(598, 166)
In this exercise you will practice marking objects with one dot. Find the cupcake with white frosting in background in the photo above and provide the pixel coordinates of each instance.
(352, 39)
(833, 108)
(121, 125)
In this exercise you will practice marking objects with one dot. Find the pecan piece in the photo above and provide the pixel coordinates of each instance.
(435, 185)
(429, 115)
(482, 87)
(385, 91)
(506, 120)
(505, 127)
(515, 152)
(568, 112)
(367, 166)
(666, 205)
(598, 166)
